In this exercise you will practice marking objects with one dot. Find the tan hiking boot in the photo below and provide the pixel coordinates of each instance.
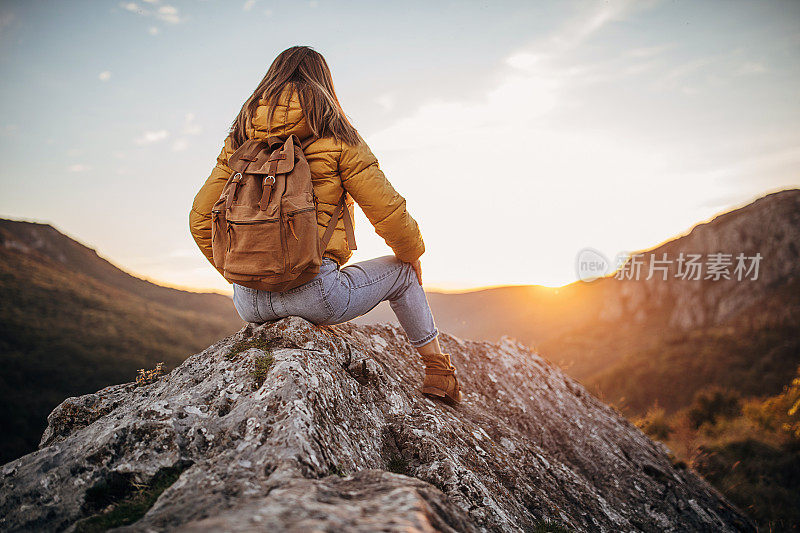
(440, 378)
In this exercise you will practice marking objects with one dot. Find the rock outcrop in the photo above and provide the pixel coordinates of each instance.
(287, 426)
(769, 228)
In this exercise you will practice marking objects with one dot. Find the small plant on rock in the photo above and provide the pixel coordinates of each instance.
(261, 366)
(244, 345)
(146, 377)
(336, 470)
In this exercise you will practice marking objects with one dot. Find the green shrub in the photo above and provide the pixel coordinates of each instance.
(713, 404)
(760, 478)
(655, 423)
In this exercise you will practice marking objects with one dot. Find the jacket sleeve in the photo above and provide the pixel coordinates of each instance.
(200, 213)
(384, 207)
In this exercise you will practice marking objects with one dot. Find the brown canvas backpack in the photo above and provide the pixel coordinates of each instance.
(264, 226)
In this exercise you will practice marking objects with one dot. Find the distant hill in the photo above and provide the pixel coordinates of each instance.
(638, 342)
(71, 322)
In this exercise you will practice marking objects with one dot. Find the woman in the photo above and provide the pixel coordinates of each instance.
(297, 97)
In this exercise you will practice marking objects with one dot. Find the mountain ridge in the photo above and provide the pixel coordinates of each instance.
(70, 322)
(47, 242)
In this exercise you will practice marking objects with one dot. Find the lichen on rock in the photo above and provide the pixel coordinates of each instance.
(330, 433)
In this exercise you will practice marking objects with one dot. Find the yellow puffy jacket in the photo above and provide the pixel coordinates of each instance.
(334, 166)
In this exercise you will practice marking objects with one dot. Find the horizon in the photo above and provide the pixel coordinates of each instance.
(590, 97)
(431, 289)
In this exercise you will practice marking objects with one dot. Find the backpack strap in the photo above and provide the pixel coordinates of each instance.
(267, 184)
(341, 208)
(348, 224)
(310, 139)
(269, 179)
(275, 142)
(281, 150)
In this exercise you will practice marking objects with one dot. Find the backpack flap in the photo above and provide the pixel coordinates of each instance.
(284, 157)
(247, 152)
(279, 161)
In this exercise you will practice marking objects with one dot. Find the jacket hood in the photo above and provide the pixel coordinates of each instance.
(287, 119)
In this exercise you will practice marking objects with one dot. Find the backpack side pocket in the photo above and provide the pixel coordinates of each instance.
(302, 240)
(219, 238)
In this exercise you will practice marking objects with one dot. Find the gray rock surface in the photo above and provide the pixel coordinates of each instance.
(337, 438)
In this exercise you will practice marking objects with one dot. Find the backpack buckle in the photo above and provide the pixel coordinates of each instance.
(269, 181)
(235, 182)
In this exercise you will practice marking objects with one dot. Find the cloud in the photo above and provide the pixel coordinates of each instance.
(132, 7)
(648, 51)
(692, 76)
(530, 85)
(152, 30)
(180, 145)
(78, 167)
(676, 77)
(167, 13)
(570, 36)
(104, 76)
(386, 101)
(248, 5)
(190, 126)
(150, 137)
(751, 67)
(752, 168)
(523, 148)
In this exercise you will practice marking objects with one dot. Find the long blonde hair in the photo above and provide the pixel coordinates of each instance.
(308, 72)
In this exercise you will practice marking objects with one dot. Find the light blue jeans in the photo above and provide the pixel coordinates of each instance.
(337, 295)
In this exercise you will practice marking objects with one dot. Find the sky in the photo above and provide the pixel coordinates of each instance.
(518, 132)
